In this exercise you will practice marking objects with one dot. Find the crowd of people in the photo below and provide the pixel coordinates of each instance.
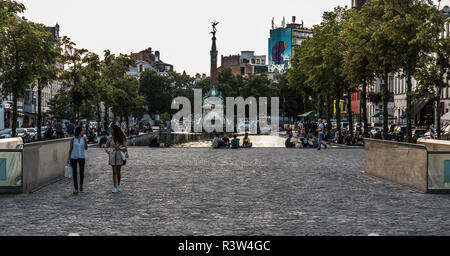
(314, 134)
(58, 129)
(234, 143)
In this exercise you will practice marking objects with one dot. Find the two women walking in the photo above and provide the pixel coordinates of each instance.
(116, 147)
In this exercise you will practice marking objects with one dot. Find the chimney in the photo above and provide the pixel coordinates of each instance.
(157, 54)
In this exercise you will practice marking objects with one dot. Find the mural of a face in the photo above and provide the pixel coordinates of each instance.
(277, 51)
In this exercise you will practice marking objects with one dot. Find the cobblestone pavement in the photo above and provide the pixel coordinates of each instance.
(201, 191)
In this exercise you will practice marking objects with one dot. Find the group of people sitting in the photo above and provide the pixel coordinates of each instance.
(349, 139)
(225, 142)
(306, 141)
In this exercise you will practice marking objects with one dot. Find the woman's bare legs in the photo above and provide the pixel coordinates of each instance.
(115, 176)
(118, 174)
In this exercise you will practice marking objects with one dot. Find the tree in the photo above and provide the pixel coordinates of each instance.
(59, 106)
(20, 42)
(434, 61)
(407, 19)
(318, 63)
(156, 91)
(74, 59)
(47, 68)
(382, 48)
(357, 70)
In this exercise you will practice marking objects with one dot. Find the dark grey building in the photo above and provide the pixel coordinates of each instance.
(358, 4)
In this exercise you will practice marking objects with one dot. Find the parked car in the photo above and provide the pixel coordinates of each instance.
(5, 134)
(33, 133)
(43, 132)
(418, 133)
(21, 133)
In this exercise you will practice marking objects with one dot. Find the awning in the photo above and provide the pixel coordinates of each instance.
(312, 113)
(446, 117)
(418, 106)
(380, 114)
(309, 114)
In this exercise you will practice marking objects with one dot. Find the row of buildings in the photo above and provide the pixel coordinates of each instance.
(282, 43)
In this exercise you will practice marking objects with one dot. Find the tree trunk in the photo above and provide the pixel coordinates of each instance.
(438, 112)
(349, 112)
(363, 102)
(385, 93)
(39, 111)
(329, 112)
(14, 117)
(99, 118)
(338, 109)
(409, 111)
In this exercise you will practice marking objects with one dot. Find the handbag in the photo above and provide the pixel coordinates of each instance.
(124, 155)
(68, 171)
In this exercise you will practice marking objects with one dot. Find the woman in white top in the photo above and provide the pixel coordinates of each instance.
(77, 156)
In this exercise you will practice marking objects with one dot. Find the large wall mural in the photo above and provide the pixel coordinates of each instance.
(280, 50)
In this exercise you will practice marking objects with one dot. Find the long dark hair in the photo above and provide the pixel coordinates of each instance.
(78, 131)
(118, 135)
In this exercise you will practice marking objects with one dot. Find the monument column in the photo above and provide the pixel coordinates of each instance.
(213, 76)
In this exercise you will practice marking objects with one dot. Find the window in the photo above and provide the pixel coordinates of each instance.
(243, 71)
(141, 68)
(253, 61)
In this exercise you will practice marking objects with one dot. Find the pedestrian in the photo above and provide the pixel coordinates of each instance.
(59, 130)
(216, 141)
(77, 157)
(116, 147)
(235, 142)
(246, 143)
(289, 143)
(320, 130)
(103, 140)
(154, 143)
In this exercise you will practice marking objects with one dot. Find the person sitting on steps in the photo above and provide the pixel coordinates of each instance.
(247, 143)
(288, 143)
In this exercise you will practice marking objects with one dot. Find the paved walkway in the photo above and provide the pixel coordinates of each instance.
(201, 191)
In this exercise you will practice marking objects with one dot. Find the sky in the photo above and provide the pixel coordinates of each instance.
(179, 29)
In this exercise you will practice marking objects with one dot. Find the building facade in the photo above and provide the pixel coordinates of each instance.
(244, 64)
(148, 60)
(358, 4)
(283, 42)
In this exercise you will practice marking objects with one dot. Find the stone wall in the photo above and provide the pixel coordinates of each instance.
(398, 162)
(436, 145)
(44, 162)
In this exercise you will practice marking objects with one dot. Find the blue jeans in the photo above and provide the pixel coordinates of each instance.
(320, 139)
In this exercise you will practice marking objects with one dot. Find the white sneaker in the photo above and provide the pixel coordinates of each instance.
(118, 188)
(115, 190)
